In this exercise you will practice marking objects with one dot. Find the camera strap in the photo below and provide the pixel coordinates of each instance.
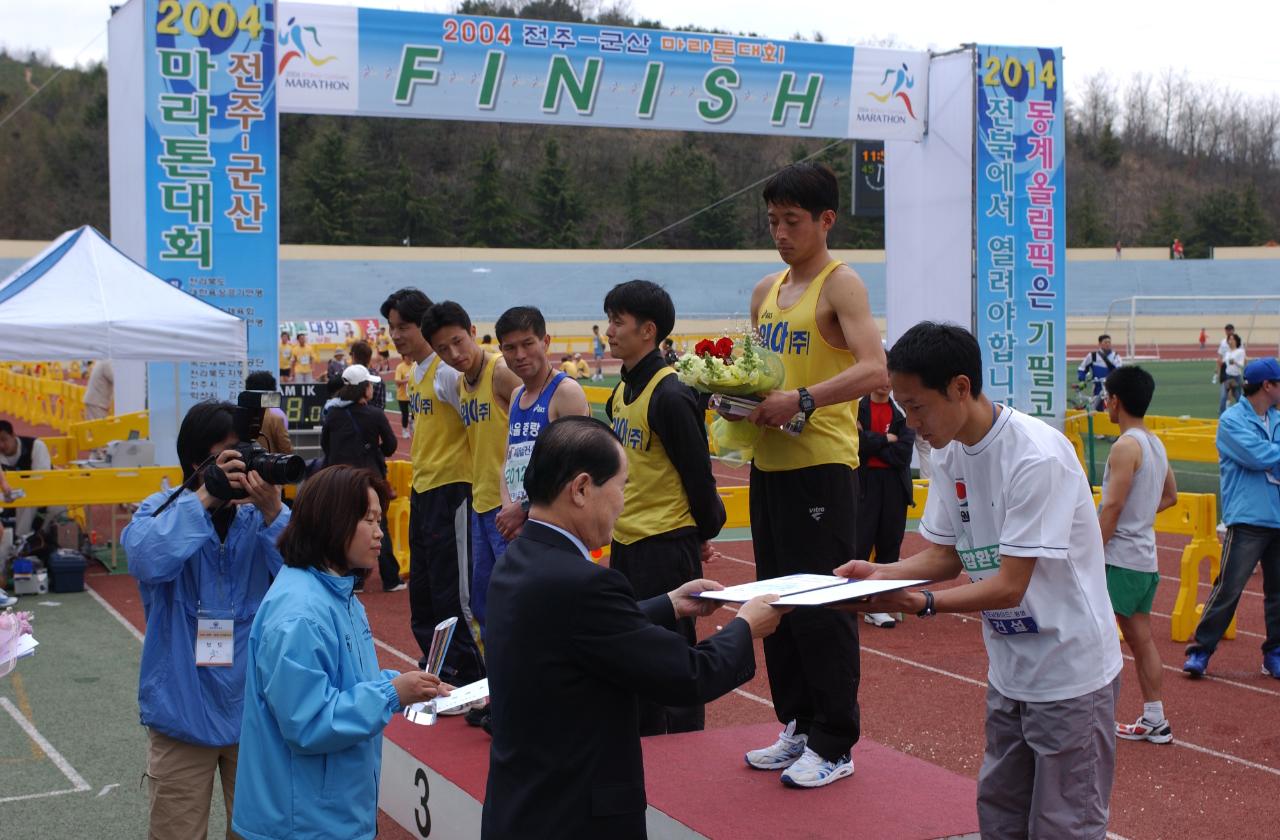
(359, 432)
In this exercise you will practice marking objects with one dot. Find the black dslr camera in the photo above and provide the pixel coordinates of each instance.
(274, 469)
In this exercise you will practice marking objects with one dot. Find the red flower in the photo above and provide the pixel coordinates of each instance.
(724, 348)
(704, 347)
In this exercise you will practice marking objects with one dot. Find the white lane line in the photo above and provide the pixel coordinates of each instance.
(763, 701)
(1234, 759)
(114, 613)
(396, 652)
(107, 789)
(39, 795)
(77, 781)
(1203, 584)
(1238, 630)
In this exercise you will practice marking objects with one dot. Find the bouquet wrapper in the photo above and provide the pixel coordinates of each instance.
(734, 442)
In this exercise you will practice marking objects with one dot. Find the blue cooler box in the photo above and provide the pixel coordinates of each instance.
(66, 571)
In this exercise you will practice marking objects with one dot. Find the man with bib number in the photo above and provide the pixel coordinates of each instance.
(1010, 506)
(544, 395)
(814, 314)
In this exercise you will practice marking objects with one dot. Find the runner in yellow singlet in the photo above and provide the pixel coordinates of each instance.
(439, 536)
(815, 315)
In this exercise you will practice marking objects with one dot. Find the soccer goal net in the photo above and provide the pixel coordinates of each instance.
(1170, 326)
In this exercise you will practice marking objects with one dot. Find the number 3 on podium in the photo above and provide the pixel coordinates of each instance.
(422, 820)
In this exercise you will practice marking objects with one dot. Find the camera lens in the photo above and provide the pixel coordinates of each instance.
(280, 469)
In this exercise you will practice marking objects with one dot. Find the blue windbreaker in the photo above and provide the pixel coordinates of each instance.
(315, 707)
(1247, 454)
(182, 568)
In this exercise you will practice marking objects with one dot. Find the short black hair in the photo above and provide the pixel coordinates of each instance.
(809, 186)
(938, 353)
(206, 424)
(361, 352)
(446, 313)
(1103, 337)
(260, 380)
(410, 303)
(1231, 327)
(333, 385)
(565, 449)
(326, 514)
(519, 318)
(644, 301)
(1134, 387)
(6, 427)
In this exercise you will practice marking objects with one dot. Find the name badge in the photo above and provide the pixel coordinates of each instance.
(215, 642)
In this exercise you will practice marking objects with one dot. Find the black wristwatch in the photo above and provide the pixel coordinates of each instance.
(806, 401)
(928, 604)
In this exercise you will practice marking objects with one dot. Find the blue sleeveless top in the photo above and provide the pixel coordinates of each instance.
(526, 423)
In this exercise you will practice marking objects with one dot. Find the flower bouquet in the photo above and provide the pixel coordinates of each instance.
(734, 373)
(14, 626)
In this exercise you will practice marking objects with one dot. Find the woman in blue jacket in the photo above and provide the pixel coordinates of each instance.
(315, 702)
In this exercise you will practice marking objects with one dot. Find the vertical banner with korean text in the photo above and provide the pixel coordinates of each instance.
(212, 223)
(1020, 203)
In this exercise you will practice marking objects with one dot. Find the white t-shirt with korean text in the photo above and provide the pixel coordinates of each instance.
(1021, 492)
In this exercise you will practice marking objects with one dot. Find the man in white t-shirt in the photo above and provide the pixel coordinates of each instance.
(1010, 505)
(1224, 349)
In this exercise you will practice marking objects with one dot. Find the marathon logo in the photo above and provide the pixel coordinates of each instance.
(962, 495)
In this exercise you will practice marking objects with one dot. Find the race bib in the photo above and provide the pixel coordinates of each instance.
(517, 462)
(215, 642)
(982, 563)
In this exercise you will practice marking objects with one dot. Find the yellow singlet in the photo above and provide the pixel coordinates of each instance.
(440, 453)
(831, 435)
(654, 501)
(486, 423)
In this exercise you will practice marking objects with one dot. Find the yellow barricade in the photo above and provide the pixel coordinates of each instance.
(398, 524)
(90, 486)
(737, 506)
(1195, 514)
(597, 395)
(400, 477)
(1185, 438)
(41, 400)
(62, 450)
(95, 434)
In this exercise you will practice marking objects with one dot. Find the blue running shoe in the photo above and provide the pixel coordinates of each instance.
(1271, 664)
(1197, 662)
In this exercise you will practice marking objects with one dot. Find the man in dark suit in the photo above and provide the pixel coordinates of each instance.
(569, 652)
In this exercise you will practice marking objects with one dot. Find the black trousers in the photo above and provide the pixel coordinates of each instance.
(388, 566)
(655, 566)
(802, 521)
(882, 514)
(439, 575)
(1245, 548)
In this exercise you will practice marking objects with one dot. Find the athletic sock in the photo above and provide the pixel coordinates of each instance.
(1153, 712)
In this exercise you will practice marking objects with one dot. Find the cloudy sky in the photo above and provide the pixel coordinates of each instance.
(1228, 42)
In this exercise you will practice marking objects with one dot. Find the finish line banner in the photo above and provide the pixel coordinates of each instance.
(1019, 233)
(369, 62)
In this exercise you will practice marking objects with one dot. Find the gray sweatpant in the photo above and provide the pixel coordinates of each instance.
(1048, 768)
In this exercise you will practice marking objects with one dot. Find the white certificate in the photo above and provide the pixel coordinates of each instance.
(848, 591)
(788, 585)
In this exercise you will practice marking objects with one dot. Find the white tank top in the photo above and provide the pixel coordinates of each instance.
(1133, 545)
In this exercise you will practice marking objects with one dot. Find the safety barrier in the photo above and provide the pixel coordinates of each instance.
(95, 434)
(1196, 515)
(41, 401)
(1184, 438)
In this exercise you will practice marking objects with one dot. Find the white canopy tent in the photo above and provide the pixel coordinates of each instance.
(81, 298)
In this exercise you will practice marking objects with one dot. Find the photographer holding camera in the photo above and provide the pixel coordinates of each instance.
(204, 557)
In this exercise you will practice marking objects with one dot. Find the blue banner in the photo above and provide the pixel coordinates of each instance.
(211, 183)
(461, 67)
(1020, 228)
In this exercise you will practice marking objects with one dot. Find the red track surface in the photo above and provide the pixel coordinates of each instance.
(922, 694)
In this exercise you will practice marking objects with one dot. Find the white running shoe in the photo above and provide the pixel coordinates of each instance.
(782, 753)
(404, 433)
(812, 770)
(880, 619)
(6, 600)
(464, 708)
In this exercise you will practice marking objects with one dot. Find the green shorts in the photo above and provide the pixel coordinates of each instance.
(1131, 592)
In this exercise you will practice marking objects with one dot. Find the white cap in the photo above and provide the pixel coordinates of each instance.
(358, 375)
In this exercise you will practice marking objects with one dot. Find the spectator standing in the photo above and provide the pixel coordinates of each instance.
(1098, 364)
(597, 349)
(885, 444)
(337, 364)
(1233, 369)
(203, 566)
(286, 356)
(1138, 483)
(274, 434)
(362, 354)
(404, 370)
(358, 435)
(301, 358)
(100, 390)
(315, 701)
(1224, 348)
(1249, 459)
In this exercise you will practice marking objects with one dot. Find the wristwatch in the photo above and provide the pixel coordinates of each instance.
(928, 604)
(806, 401)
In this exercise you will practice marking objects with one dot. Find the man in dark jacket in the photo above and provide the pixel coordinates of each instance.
(885, 443)
(569, 651)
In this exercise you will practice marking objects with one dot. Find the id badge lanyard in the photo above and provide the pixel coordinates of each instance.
(215, 628)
